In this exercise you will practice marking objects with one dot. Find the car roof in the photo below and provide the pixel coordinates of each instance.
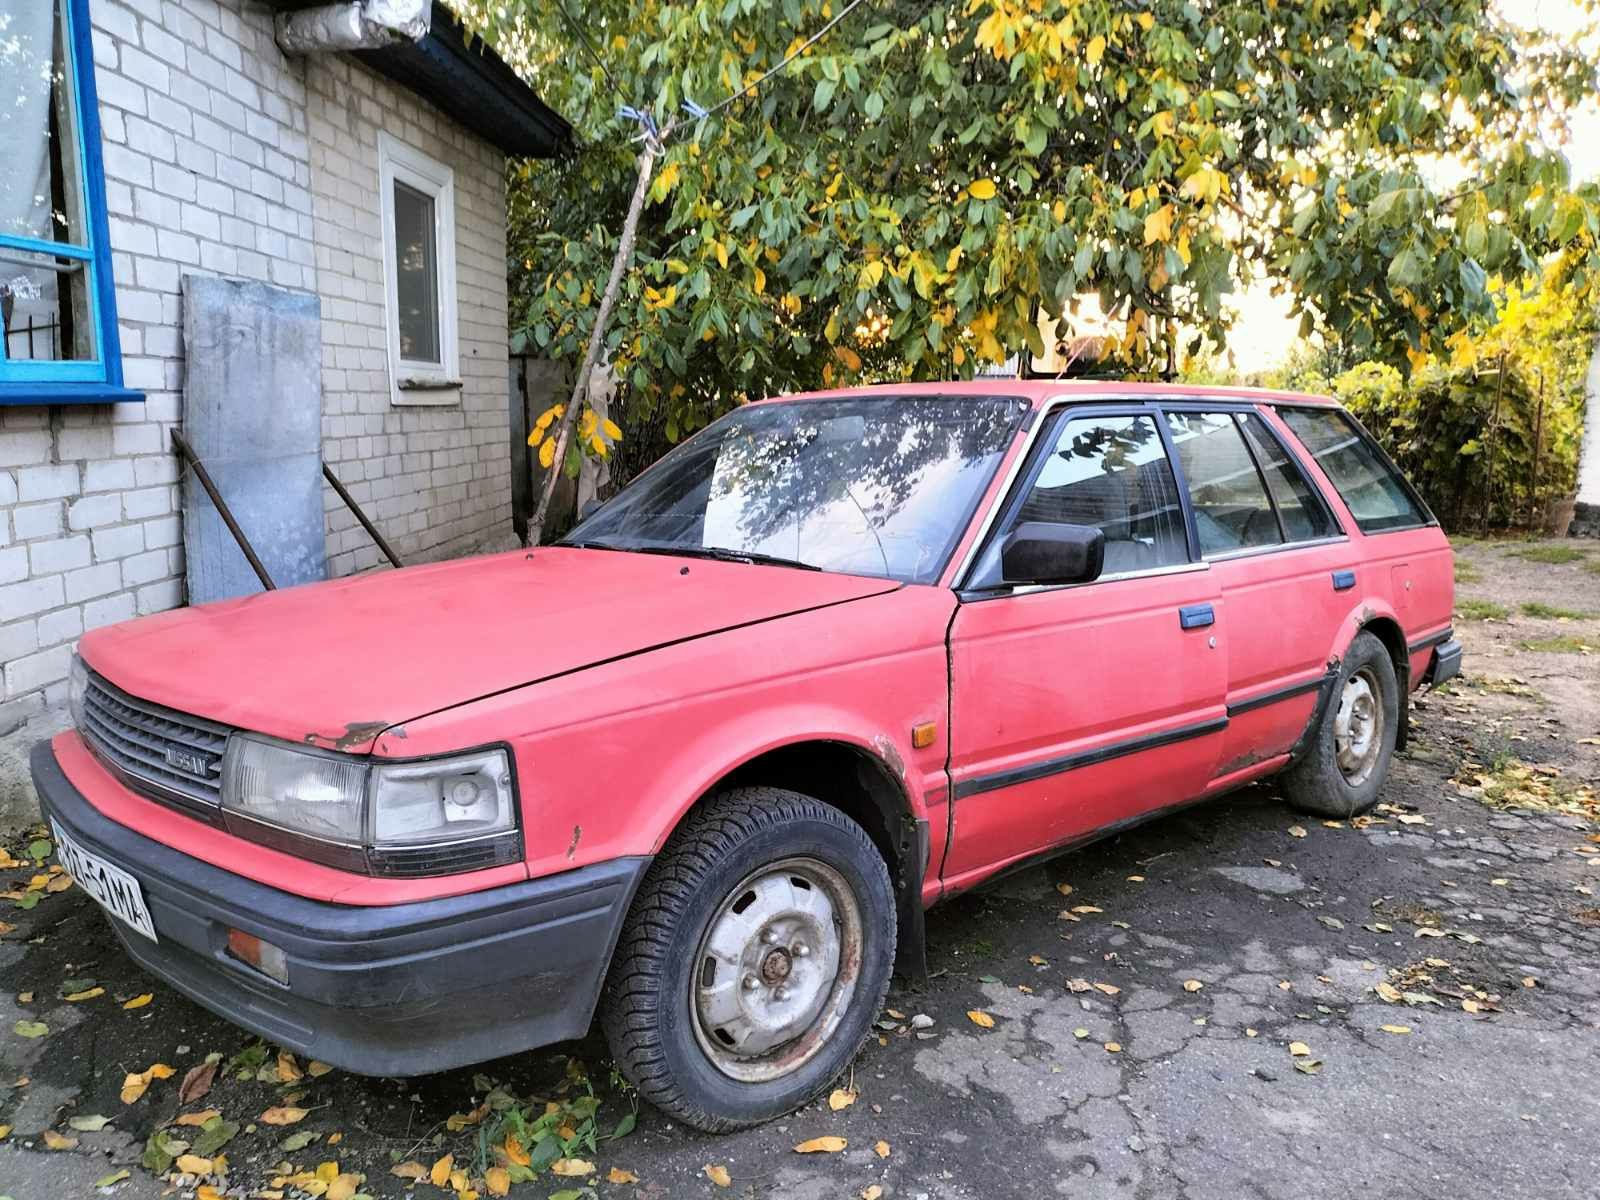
(1039, 392)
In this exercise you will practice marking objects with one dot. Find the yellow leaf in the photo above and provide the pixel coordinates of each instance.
(1064, 888)
(284, 1114)
(611, 429)
(1395, 1028)
(1297, 831)
(1389, 992)
(571, 1167)
(760, 281)
(343, 1186)
(1108, 989)
(58, 1141)
(1158, 225)
(1147, 21)
(981, 189)
(841, 1099)
(848, 357)
(1095, 50)
(1086, 908)
(194, 1164)
(618, 1175)
(87, 994)
(140, 1001)
(199, 1118)
(5, 1131)
(288, 1070)
(979, 1018)
(547, 453)
(498, 1181)
(871, 1193)
(718, 1175)
(1192, 985)
(881, 1149)
(1058, 210)
(1113, 1047)
(829, 1144)
(722, 255)
(1299, 1049)
(1038, 960)
(441, 1170)
(317, 1069)
(413, 1171)
(206, 1192)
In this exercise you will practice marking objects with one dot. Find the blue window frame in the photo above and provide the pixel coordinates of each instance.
(58, 314)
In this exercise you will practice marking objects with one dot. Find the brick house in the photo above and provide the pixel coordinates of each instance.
(153, 139)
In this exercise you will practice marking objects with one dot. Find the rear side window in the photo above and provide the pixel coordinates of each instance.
(1378, 498)
(1305, 517)
(1231, 509)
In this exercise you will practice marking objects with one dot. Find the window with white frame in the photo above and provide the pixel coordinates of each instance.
(419, 274)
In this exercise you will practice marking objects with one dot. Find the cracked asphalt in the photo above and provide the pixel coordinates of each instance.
(1478, 922)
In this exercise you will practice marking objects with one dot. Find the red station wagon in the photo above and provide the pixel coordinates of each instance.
(704, 764)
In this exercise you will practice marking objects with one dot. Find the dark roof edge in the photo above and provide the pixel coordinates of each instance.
(475, 87)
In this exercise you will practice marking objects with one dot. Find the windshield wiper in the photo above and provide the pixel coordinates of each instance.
(720, 553)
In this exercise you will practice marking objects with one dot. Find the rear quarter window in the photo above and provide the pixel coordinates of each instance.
(1374, 491)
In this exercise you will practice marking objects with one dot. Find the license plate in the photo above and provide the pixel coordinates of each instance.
(109, 885)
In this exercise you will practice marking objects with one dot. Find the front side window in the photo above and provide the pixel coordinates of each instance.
(418, 202)
(880, 486)
(56, 298)
(1112, 473)
(1377, 497)
(1232, 511)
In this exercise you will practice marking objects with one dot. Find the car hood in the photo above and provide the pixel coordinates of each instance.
(335, 663)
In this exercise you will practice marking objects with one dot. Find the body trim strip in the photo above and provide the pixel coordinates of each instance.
(1277, 695)
(1432, 640)
(1085, 758)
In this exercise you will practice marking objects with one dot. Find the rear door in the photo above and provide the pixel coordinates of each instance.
(1074, 708)
(1283, 567)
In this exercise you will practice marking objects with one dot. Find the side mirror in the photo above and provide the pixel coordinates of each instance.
(1052, 552)
(590, 505)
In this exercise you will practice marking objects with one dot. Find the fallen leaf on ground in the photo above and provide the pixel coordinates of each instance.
(980, 1018)
(139, 1001)
(317, 1069)
(498, 1180)
(1299, 1049)
(5, 1131)
(881, 1149)
(718, 1175)
(284, 1114)
(1297, 831)
(200, 1117)
(196, 1082)
(1395, 1028)
(1080, 1033)
(1308, 1066)
(841, 1099)
(288, 1070)
(1471, 1006)
(1135, 878)
(30, 1029)
(89, 1123)
(515, 1152)
(133, 1086)
(618, 1175)
(871, 1193)
(827, 1144)
(1387, 991)
(193, 1164)
(1109, 989)
(571, 1167)
(1064, 888)
(1113, 1047)
(1250, 1033)
(1412, 819)
(1084, 909)
(86, 994)
(1192, 985)
(413, 1171)
(441, 1170)
(57, 1141)
(1038, 960)
(106, 1181)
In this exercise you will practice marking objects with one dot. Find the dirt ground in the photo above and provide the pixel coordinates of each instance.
(1437, 964)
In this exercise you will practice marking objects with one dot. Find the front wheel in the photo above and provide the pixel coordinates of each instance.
(1347, 761)
(753, 960)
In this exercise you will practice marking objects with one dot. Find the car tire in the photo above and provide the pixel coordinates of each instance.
(727, 1004)
(1346, 762)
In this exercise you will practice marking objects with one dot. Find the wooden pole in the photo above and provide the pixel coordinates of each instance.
(562, 433)
(1538, 448)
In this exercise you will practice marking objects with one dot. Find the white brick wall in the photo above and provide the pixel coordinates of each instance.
(223, 156)
(435, 480)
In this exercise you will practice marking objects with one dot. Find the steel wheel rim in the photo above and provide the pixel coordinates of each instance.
(776, 969)
(1358, 727)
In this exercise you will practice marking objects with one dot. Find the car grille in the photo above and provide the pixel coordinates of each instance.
(165, 755)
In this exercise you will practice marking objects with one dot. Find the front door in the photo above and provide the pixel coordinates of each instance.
(1075, 708)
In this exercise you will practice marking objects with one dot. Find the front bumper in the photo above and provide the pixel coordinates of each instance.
(402, 989)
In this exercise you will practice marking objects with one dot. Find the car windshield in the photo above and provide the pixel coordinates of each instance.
(870, 485)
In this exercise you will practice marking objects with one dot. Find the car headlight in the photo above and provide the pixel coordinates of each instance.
(428, 817)
(77, 686)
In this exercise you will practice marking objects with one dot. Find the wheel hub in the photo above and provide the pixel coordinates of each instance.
(1358, 728)
(777, 966)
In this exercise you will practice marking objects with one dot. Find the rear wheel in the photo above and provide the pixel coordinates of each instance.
(1347, 762)
(753, 961)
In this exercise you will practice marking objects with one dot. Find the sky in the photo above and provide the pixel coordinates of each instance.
(1265, 333)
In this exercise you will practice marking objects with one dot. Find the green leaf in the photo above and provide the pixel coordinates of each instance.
(31, 1029)
(214, 1135)
(40, 849)
(625, 1126)
(298, 1141)
(106, 1181)
(89, 1123)
(1406, 269)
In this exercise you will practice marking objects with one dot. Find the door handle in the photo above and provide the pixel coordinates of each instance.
(1343, 581)
(1196, 616)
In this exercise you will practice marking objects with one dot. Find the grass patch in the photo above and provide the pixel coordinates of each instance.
(1557, 645)
(1473, 609)
(1467, 573)
(1554, 556)
(1553, 612)
(1592, 566)
(1511, 783)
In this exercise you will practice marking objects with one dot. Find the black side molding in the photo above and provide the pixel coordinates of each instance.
(1432, 640)
(1280, 694)
(1086, 758)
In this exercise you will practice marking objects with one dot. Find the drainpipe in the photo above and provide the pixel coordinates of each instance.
(355, 25)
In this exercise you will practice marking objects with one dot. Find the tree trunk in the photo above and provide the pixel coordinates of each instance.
(562, 433)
